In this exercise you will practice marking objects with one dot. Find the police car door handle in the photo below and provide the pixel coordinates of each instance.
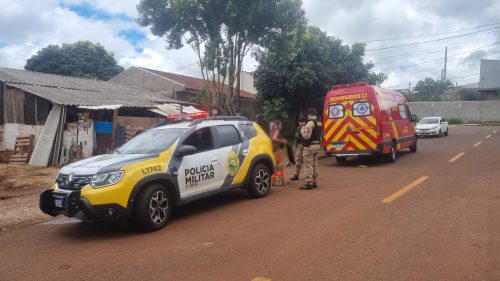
(214, 160)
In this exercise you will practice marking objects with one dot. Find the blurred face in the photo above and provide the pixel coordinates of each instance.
(302, 123)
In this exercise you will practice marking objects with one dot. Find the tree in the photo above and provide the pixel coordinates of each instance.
(469, 95)
(301, 68)
(221, 33)
(430, 89)
(81, 59)
(275, 109)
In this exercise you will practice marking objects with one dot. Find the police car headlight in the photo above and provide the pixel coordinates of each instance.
(102, 180)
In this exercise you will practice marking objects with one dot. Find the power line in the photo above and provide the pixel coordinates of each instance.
(440, 60)
(431, 41)
(424, 51)
(473, 75)
(421, 36)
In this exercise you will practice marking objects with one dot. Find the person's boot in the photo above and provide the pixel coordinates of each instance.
(306, 186)
(294, 178)
(315, 185)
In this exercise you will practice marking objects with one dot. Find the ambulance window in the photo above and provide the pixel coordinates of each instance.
(201, 139)
(361, 109)
(336, 111)
(402, 111)
(227, 135)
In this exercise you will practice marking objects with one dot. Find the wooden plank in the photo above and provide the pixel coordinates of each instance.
(43, 149)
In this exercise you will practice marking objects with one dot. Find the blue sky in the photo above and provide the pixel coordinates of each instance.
(86, 10)
(27, 26)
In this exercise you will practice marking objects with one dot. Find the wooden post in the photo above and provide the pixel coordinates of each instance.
(115, 126)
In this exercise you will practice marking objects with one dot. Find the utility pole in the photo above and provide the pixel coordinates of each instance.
(445, 62)
(409, 87)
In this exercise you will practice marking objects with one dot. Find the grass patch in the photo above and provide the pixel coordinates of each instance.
(455, 121)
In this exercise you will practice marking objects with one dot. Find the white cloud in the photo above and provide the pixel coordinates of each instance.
(27, 26)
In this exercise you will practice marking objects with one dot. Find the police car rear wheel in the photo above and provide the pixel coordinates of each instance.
(260, 183)
(152, 208)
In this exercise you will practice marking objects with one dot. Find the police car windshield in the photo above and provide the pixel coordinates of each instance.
(152, 141)
(429, 121)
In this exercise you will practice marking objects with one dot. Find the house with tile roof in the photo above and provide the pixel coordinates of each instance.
(178, 86)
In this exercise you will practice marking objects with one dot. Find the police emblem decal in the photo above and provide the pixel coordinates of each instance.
(233, 163)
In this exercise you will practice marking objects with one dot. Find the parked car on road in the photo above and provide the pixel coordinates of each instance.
(162, 168)
(432, 126)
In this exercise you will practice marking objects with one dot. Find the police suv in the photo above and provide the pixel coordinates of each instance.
(162, 168)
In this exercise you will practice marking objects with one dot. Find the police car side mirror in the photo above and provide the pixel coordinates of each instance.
(186, 150)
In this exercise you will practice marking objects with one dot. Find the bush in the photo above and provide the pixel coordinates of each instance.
(455, 121)
(469, 95)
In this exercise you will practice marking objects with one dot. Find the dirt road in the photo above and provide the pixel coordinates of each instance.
(433, 215)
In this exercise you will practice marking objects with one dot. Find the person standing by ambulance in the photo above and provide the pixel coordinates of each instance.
(311, 133)
(299, 150)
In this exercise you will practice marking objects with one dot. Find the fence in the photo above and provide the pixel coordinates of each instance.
(467, 111)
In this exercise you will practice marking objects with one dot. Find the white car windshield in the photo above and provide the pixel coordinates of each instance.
(153, 141)
(429, 121)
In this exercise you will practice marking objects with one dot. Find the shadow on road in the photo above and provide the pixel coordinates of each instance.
(369, 161)
(102, 231)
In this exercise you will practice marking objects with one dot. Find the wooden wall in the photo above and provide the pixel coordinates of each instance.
(138, 122)
(14, 106)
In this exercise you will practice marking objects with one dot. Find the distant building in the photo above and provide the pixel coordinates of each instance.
(247, 82)
(72, 118)
(452, 93)
(178, 86)
(489, 79)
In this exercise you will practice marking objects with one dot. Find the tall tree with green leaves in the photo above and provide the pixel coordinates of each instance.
(221, 33)
(430, 89)
(81, 59)
(301, 68)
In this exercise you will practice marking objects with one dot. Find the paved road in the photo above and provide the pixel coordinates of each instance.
(426, 217)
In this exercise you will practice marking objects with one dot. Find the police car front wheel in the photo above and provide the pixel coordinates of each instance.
(153, 208)
(260, 183)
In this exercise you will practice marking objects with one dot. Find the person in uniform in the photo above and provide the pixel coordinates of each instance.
(299, 150)
(311, 133)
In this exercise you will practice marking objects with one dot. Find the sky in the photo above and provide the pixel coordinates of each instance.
(405, 39)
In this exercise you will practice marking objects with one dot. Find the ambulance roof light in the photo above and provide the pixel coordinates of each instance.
(356, 84)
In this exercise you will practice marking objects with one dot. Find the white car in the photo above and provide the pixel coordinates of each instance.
(432, 126)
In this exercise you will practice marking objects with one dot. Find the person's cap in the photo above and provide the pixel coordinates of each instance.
(302, 119)
(312, 111)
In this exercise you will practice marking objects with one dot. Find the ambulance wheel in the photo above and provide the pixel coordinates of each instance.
(391, 157)
(413, 147)
(152, 208)
(341, 159)
(260, 181)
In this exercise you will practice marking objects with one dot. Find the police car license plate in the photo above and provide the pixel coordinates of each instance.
(58, 201)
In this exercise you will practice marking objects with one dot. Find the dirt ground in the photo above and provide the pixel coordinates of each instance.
(20, 186)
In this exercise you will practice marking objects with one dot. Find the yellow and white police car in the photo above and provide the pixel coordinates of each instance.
(162, 168)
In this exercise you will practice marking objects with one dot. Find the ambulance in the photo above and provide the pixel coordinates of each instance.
(364, 120)
(162, 168)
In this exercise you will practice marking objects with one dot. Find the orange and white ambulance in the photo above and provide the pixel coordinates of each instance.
(362, 120)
